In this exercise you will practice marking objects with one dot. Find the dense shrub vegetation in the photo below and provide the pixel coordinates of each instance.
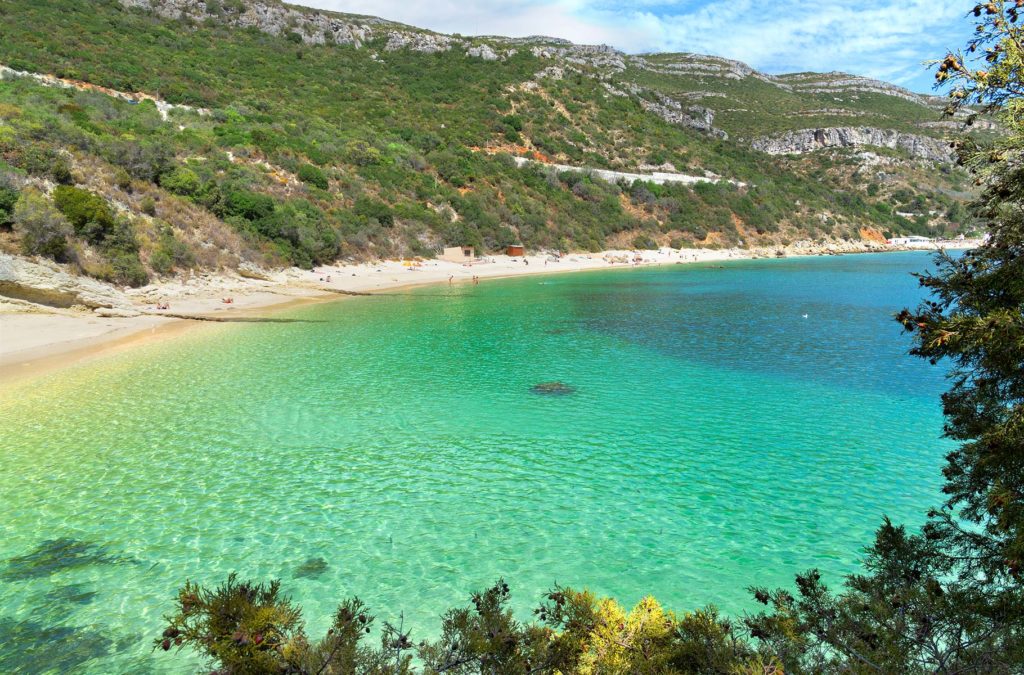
(8, 198)
(304, 154)
(43, 229)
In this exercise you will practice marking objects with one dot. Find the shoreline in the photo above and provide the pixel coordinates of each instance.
(35, 340)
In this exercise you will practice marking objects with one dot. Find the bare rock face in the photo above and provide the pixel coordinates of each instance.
(276, 19)
(428, 43)
(45, 283)
(694, 117)
(549, 73)
(603, 57)
(957, 125)
(482, 52)
(312, 27)
(810, 140)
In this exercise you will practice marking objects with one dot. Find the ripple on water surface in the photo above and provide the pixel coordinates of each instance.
(709, 438)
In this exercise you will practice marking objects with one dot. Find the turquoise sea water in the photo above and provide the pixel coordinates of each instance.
(716, 439)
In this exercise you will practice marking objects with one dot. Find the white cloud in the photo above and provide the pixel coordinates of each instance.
(887, 39)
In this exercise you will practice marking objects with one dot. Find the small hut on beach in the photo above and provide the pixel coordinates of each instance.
(459, 254)
(515, 250)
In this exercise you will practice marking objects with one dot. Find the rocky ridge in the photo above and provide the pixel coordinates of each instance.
(810, 140)
(276, 19)
(701, 65)
(601, 61)
(318, 27)
(843, 83)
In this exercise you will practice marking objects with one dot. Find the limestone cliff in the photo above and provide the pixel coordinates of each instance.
(810, 140)
(47, 283)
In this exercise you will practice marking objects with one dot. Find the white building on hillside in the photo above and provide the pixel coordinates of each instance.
(910, 240)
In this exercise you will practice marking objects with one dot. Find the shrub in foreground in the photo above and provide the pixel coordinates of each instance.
(243, 627)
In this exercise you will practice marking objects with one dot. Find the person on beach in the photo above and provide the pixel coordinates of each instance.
(450, 279)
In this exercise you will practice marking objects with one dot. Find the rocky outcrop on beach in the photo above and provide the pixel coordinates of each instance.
(45, 283)
(810, 140)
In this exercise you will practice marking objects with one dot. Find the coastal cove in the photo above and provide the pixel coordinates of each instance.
(731, 423)
(36, 338)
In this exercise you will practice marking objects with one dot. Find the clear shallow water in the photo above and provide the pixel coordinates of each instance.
(716, 440)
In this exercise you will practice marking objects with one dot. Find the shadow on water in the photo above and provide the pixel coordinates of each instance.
(72, 594)
(236, 319)
(56, 555)
(32, 647)
(45, 642)
(384, 294)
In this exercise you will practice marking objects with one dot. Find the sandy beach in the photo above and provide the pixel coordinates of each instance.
(36, 338)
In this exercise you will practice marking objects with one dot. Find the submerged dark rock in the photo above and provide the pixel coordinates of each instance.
(311, 569)
(56, 555)
(553, 389)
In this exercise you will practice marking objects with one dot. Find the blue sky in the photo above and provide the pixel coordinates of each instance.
(885, 39)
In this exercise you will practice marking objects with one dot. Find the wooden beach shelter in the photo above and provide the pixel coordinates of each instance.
(459, 254)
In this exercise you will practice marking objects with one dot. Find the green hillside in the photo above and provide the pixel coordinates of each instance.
(751, 106)
(306, 152)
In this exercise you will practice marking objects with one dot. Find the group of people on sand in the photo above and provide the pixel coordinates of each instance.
(164, 305)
